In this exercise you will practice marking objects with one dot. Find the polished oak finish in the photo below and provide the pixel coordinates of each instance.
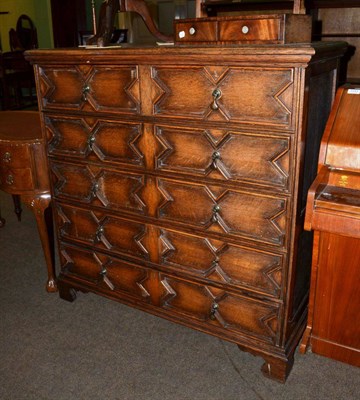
(24, 172)
(178, 177)
(333, 212)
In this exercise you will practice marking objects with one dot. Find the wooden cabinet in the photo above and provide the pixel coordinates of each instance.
(178, 177)
(333, 212)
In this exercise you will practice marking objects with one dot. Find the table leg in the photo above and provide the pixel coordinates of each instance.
(40, 207)
(2, 221)
(17, 205)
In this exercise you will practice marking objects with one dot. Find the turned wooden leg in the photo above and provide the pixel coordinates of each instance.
(2, 221)
(40, 207)
(17, 206)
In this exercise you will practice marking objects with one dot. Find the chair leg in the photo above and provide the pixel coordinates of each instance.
(17, 205)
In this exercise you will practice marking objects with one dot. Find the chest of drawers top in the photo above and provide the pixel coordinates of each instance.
(249, 84)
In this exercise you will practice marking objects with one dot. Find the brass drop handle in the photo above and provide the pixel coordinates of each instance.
(217, 163)
(215, 158)
(106, 280)
(85, 91)
(7, 157)
(213, 310)
(215, 210)
(94, 189)
(91, 141)
(216, 94)
(9, 179)
(216, 155)
(99, 232)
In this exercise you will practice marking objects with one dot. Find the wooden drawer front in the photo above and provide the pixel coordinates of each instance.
(248, 95)
(217, 308)
(222, 262)
(15, 167)
(219, 210)
(250, 30)
(104, 272)
(85, 138)
(98, 186)
(196, 31)
(14, 155)
(89, 88)
(225, 155)
(16, 179)
(102, 231)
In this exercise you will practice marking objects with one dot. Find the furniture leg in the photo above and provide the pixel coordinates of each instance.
(66, 292)
(17, 205)
(40, 207)
(274, 368)
(277, 369)
(2, 221)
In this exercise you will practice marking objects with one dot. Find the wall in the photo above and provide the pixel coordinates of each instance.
(40, 12)
(43, 23)
(37, 10)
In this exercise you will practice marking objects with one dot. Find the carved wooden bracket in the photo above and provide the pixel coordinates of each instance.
(108, 11)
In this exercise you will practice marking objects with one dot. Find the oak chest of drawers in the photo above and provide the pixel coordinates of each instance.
(179, 178)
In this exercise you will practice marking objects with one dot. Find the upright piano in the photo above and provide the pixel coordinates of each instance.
(333, 213)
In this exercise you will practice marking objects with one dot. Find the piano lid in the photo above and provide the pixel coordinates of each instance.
(340, 146)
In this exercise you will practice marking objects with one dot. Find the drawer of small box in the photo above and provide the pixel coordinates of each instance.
(225, 155)
(262, 29)
(14, 156)
(214, 308)
(196, 31)
(12, 179)
(256, 96)
(94, 139)
(113, 89)
(218, 261)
